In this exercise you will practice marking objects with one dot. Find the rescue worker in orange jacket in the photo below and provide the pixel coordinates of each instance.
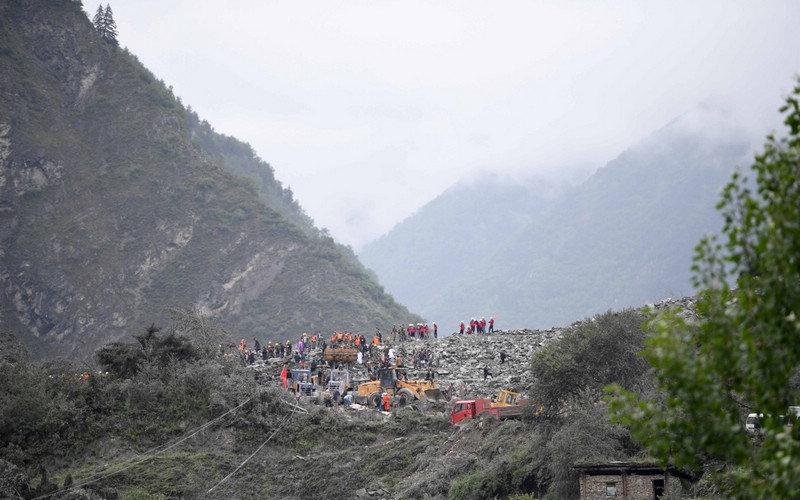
(385, 400)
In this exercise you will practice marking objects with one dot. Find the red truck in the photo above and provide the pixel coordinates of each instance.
(471, 408)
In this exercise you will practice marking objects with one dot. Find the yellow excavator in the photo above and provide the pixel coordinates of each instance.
(395, 381)
(505, 398)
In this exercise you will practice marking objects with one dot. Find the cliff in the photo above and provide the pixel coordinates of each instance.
(110, 212)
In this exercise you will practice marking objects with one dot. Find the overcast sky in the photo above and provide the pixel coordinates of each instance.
(369, 109)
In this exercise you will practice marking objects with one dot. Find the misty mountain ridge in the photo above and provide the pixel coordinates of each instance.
(623, 237)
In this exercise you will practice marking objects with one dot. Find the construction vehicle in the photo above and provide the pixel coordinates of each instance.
(506, 398)
(507, 406)
(339, 381)
(303, 382)
(395, 381)
(335, 355)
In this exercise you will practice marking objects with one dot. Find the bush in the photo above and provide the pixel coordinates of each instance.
(589, 356)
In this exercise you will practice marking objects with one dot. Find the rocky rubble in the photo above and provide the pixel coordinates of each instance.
(461, 358)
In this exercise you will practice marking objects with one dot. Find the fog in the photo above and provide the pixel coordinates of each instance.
(368, 110)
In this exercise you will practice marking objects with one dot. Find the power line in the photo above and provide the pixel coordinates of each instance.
(147, 456)
(248, 458)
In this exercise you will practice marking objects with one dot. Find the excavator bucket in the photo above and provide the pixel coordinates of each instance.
(436, 395)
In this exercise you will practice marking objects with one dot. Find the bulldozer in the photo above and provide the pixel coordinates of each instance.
(505, 398)
(394, 381)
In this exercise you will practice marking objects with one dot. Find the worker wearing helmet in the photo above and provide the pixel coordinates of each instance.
(385, 401)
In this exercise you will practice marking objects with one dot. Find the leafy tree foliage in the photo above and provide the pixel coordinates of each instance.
(127, 360)
(105, 25)
(590, 355)
(744, 354)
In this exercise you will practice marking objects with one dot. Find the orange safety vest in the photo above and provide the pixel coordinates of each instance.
(358, 340)
(386, 401)
(241, 345)
(375, 340)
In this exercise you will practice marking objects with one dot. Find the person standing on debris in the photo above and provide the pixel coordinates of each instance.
(257, 345)
(435, 330)
(487, 373)
(502, 357)
(385, 401)
(491, 324)
(461, 328)
(242, 344)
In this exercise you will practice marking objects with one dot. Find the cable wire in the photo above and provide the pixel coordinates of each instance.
(146, 456)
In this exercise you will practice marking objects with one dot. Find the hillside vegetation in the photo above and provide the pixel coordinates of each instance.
(170, 417)
(117, 201)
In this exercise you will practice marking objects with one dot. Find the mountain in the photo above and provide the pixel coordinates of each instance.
(533, 259)
(453, 233)
(117, 201)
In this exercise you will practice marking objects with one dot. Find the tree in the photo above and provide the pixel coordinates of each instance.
(744, 352)
(126, 360)
(590, 355)
(105, 25)
(98, 19)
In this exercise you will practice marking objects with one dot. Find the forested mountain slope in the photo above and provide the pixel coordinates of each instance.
(112, 208)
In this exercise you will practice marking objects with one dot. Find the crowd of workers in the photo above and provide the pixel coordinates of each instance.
(398, 334)
(378, 352)
(477, 326)
(401, 347)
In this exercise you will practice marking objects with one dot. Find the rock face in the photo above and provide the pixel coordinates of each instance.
(110, 212)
